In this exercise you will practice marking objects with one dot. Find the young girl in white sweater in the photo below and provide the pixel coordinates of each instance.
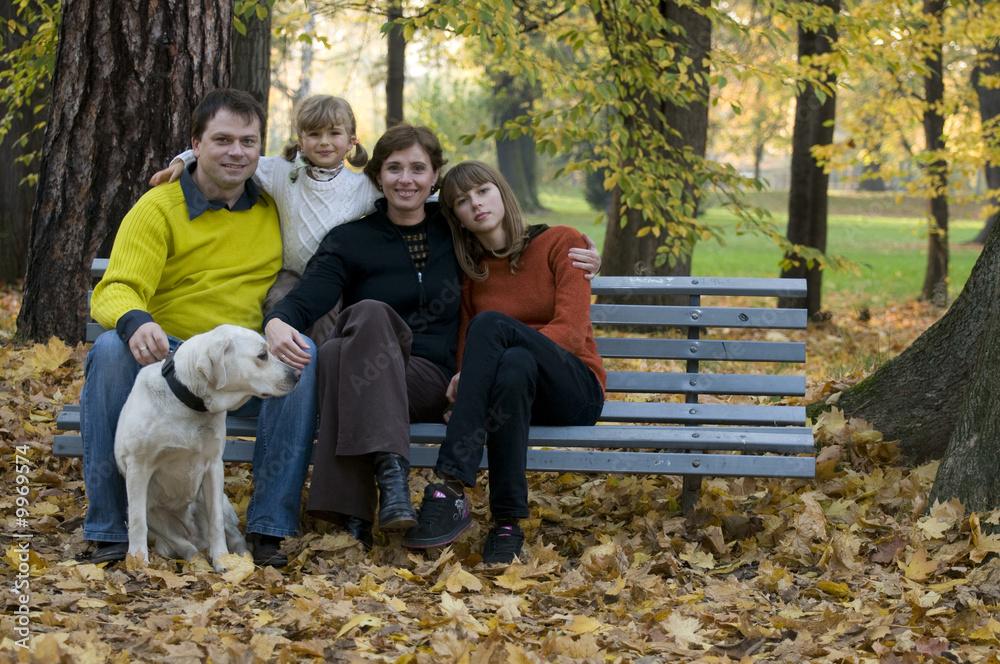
(313, 190)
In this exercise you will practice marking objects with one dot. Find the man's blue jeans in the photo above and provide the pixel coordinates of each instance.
(286, 427)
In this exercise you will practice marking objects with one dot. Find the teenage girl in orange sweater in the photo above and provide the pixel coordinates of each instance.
(526, 356)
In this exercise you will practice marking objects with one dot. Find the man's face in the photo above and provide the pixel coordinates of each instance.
(227, 153)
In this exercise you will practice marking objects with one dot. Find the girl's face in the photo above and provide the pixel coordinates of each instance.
(406, 179)
(326, 147)
(481, 212)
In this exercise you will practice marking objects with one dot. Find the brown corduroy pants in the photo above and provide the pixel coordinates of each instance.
(369, 390)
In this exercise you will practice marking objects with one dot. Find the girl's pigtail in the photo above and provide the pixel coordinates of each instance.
(291, 149)
(360, 156)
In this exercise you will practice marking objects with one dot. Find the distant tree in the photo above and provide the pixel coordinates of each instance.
(517, 159)
(815, 110)
(650, 239)
(986, 82)
(935, 288)
(395, 80)
(27, 50)
(103, 140)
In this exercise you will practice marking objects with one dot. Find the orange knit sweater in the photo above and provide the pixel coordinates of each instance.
(546, 293)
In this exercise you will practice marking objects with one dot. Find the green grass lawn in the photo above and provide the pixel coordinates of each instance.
(889, 251)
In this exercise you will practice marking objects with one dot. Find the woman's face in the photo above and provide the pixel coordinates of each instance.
(406, 179)
(481, 212)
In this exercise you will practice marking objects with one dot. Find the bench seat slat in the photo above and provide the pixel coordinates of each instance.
(745, 317)
(702, 349)
(701, 413)
(663, 463)
(562, 460)
(792, 440)
(764, 385)
(787, 440)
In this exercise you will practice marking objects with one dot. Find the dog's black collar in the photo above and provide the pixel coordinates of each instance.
(187, 397)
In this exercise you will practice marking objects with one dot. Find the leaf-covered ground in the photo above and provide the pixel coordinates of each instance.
(853, 566)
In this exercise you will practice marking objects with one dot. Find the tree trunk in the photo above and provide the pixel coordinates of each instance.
(396, 67)
(17, 197)
(252, 62)
(516, 157)
(916, 397)
(871, 180)
(686, 128)
(935, 287)
(968, 470)
(807, 196)
(127, 77)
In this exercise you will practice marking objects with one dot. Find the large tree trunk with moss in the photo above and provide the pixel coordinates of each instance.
(917, 396)
(127, 77)
(685, 126)
(968, 470)
(807, 196)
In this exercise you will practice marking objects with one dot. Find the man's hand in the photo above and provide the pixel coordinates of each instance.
(286, 342)
(587, 259)
(149, 344)
(168, 174)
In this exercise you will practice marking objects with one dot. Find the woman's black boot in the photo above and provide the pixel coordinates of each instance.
(392, 474)
(360, 529)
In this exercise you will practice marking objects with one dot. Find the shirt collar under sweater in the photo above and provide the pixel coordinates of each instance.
(197, 204)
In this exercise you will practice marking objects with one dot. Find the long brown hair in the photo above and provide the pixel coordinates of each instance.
(461, 178)
(317, 112)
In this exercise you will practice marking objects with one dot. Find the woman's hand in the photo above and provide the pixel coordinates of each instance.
(451, 393)
(286, 342)
(168, 174)
(149, 344)
(587, 259)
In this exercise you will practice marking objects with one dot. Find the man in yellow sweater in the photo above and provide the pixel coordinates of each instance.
(190, 256)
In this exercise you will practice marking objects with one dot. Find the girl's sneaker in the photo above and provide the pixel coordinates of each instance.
(443, 517)
(503, 545)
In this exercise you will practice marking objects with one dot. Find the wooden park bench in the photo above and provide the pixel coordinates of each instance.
(655, 419)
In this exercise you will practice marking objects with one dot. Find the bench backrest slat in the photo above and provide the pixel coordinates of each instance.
(690, 316)
(730, 286)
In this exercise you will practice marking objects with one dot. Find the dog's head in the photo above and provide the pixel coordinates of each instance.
(229, 364)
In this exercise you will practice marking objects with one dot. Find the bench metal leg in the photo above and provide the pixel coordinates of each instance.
(690, 492)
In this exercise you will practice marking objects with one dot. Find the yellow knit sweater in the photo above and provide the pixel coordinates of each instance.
(190, 275)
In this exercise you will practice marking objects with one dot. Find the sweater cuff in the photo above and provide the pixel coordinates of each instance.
(130, 322)
(271, 316)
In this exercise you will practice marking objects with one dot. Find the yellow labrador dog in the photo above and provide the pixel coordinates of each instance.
(171, 435)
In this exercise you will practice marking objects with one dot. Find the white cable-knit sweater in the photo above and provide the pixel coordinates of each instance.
(309, 209)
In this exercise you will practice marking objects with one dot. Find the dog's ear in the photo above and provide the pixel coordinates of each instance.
(212, 363)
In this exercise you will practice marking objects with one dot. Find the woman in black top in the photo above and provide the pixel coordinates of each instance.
(393, 354)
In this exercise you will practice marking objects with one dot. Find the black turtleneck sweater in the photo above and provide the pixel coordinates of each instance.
(369, 259)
